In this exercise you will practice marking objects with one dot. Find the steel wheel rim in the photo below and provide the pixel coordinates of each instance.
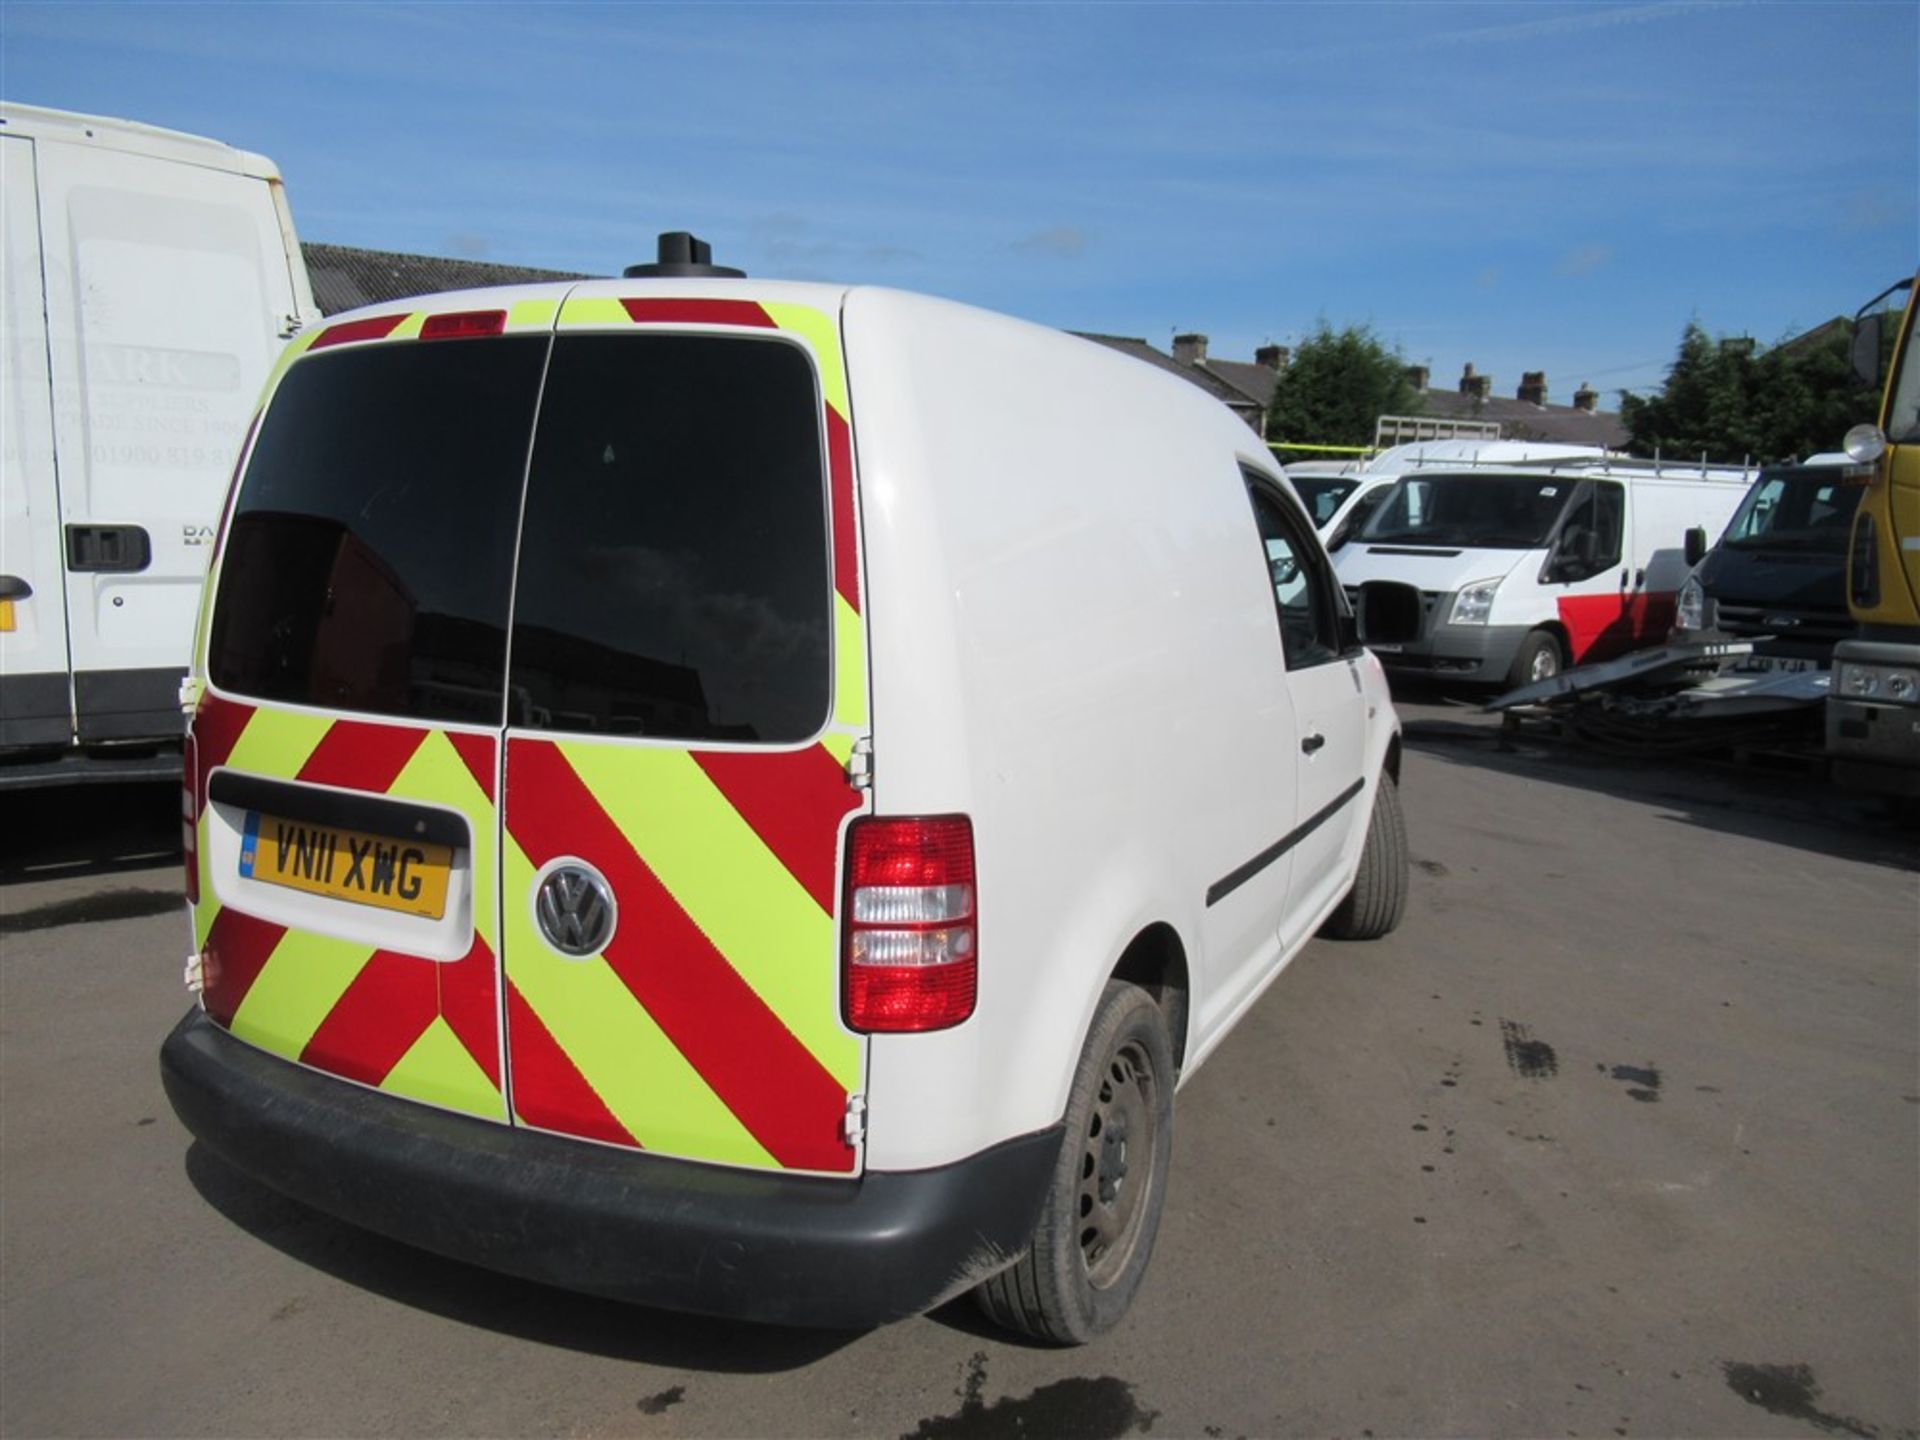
(1117, 1158)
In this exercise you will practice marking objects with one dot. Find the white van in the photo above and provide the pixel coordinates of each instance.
(150, 279)
(1508, 573)
(729, 795)
(1341, 496)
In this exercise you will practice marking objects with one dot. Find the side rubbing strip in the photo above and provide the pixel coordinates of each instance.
(1232, 881)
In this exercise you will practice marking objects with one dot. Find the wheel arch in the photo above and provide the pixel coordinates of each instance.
(1156, 961)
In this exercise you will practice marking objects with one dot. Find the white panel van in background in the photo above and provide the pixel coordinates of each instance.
(1341, 495)
(150, 280)
(1507, 574)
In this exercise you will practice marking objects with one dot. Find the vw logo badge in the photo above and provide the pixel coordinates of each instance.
(573, 906)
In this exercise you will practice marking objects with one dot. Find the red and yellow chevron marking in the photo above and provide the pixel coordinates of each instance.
(414, 1027)
(709, 1027)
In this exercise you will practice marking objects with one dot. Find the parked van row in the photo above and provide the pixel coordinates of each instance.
(149, 280)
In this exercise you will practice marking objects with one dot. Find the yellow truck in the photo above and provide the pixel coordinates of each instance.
(1873, 710)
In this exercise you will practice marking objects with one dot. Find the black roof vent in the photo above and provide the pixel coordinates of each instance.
(683, 256)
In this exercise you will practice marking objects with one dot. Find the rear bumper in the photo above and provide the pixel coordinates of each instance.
(784, 1249)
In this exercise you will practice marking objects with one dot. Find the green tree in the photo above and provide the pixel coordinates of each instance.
(1725, 400)
(1338, 383)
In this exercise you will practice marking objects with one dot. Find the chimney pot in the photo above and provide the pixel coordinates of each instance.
(1274, 357)
(1418, 375)
(1586, 398)
(1533, 387)
(1478, 386)
(1190, 349)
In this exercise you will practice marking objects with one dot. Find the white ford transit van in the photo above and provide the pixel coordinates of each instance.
(750, 797)
(149, 279)
(1508, 573)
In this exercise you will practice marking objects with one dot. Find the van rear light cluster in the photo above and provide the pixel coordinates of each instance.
(189, 816)
(911, 958)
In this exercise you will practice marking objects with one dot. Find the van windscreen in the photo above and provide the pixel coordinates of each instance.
(368, 563)
(1495, 512)
(674, 577)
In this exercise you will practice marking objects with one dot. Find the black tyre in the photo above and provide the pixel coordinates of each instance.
(1379, 895)
(1096, 1230)
(1539, 659)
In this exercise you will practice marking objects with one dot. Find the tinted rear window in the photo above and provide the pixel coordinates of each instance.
(368, 563)
(674, 573)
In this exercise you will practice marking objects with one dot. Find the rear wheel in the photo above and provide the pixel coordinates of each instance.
(1096, 1230)
(1379, 895)
(1539, 659)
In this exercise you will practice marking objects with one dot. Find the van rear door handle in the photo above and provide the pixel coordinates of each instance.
(1312, 743)
(111, 548)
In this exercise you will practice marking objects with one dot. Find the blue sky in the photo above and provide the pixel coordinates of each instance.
(1522, 186)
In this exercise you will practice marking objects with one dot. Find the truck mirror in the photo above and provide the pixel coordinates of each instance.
(1696, 543)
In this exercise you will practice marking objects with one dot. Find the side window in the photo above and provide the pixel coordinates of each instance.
(1308, 611)
(1362, 511)
(1610, 521)
(1591, 533)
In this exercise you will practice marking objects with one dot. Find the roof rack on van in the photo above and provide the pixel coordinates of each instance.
(683, 256)
(1658, 466)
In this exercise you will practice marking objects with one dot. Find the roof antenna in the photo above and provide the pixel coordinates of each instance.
(683, 256)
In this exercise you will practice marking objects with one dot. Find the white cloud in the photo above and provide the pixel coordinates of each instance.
(1583, 261)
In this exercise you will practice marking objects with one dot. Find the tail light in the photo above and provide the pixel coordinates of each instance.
(911, 959)
(190, 815)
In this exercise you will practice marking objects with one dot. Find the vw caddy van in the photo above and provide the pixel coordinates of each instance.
(734, 796)
(1508, 573)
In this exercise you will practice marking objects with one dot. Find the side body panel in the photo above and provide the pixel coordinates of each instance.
(167, 286)
(36, 702)
(1073, 642)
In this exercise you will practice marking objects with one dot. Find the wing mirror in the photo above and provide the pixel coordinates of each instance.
(1696, 545)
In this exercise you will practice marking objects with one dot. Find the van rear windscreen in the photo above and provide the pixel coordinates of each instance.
(673, 578)
(369, 560)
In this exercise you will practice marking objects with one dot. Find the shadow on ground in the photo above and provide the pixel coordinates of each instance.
(501, 1303)
(1786, 805)
(90, 830)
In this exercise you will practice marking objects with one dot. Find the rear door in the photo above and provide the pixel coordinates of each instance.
(167, 286)
(345, 756)
(686, 686)
(35, 700)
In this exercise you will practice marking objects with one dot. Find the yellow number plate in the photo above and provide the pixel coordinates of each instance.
(405, 875)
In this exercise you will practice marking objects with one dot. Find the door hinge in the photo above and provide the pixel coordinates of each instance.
(189, 694)
(860, 764)
(855, 1128)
